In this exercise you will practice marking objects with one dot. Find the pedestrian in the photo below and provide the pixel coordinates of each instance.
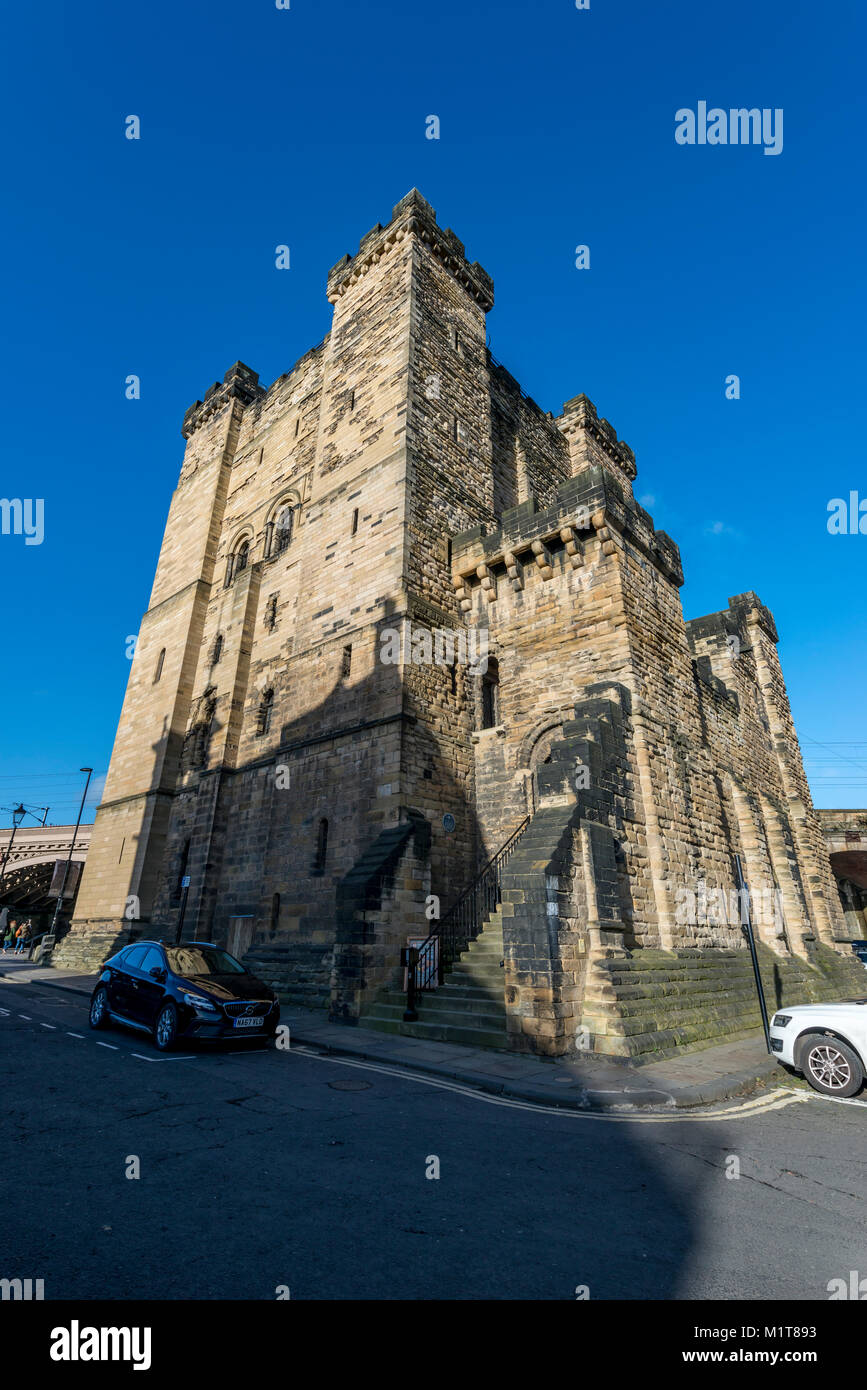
(22, 936)
(8, 937)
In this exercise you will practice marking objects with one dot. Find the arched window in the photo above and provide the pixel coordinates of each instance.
(238, 560)
(491, 696)
(283, 528)
(266, 705)
(321, 847)
(158, 670)
(218, 649)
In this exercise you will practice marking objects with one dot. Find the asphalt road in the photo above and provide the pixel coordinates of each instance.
(281, 1168)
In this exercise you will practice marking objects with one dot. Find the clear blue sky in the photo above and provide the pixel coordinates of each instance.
(261, 126)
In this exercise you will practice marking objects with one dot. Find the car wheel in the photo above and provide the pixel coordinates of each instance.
(832, 1067)
(166, 1027)
(99, 1008)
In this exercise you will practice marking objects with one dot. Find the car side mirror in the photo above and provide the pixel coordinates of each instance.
(157, 973)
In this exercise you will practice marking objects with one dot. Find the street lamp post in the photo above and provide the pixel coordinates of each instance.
(89, 771)
(17, 817)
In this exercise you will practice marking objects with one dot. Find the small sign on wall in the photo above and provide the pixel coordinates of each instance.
(72, 878)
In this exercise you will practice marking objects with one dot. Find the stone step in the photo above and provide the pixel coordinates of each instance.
(701, 1022)
(638, 1001)
(492, 1019)
(458, 995)
(491, 952)
(468, 1008)
(468, 1036)
(668, 1043)
(486, 965)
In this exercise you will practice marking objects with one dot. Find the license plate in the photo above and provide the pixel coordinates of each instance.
(249, 1022)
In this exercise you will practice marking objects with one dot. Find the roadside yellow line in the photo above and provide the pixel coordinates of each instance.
(775, 1100)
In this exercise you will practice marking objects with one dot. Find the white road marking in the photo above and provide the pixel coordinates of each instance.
(5, 1013)
(111, 1045)
(776, 1100)
(27, 1016)
(76, 1035)
(190, 1057)
(835, 1100)
(49, 1025)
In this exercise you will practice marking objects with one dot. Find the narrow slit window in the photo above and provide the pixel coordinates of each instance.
(266, 706)
(346, 662)
(321, 847)
(158, 670)
(355, 521)
(491, 696)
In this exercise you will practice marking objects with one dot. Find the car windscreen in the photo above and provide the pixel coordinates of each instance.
(202, 960)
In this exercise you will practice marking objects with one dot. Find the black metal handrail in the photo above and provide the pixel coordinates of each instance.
(426, 966)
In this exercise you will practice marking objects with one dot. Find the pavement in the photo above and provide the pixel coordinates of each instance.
(266, 1173)
(580, 1082)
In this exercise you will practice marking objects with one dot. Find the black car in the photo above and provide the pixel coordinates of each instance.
(194, 990)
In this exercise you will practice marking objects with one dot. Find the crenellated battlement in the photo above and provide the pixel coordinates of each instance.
(592, 503)
(413, 215)
(744, 611)
(592, 440)
(240, 383)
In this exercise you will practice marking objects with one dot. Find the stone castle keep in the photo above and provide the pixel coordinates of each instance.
(398, 479)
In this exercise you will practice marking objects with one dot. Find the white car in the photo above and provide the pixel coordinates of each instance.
(825, 1042)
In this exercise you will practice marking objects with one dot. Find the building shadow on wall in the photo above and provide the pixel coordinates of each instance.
(270, 840)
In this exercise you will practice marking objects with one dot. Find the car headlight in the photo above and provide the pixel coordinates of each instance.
(780, 1020)
(198, 1001)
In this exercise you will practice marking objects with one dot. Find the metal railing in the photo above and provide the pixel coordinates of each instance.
(428, 963)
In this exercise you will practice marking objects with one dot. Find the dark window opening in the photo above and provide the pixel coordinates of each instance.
(275, 912)
(242, 555)
(159, 666)
(491, 696)
(271, 613)
(297, 426)
(321, 847)
(266, 706)
(283, 530)
(346, 662)
(352, 400)
(354, 521)
(218, 649)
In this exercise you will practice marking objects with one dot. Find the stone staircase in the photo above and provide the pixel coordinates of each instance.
(468, 1007)
(656, 1003)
